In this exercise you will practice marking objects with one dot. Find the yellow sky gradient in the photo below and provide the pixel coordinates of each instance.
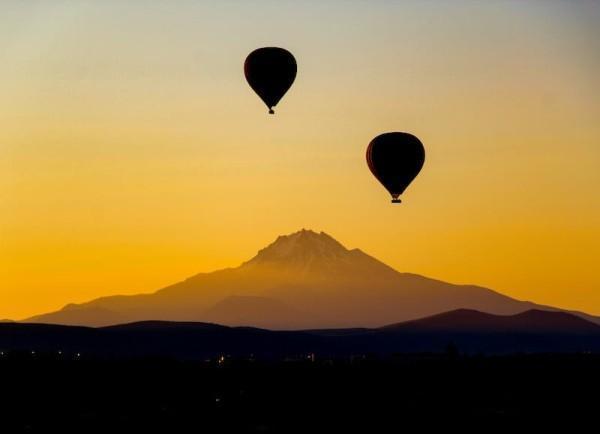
(133, 154)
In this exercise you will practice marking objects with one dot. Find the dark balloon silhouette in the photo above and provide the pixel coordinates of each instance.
(395, 159)
(270, 72)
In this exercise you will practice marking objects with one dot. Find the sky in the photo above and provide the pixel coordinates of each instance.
(133, 154)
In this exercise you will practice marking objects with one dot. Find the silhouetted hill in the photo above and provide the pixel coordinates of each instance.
(470, 331)
(151, 326)
(300, 281)
(531, 321)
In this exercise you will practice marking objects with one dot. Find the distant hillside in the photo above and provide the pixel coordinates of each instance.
(300, 281)
(531, 321)
(470, 331)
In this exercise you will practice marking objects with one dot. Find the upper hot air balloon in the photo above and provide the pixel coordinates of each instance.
(270, 72)
(395, 159)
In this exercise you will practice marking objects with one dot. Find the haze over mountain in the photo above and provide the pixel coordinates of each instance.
(300, 281)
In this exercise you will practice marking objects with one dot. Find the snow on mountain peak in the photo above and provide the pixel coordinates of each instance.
(302, 246)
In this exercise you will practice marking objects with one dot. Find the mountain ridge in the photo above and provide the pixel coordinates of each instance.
(533, 331)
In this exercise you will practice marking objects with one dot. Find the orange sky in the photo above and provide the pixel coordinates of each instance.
(133, 154)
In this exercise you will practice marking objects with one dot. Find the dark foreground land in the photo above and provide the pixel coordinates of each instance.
(51, 393)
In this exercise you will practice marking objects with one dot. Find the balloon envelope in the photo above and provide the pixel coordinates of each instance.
(395, 159)
(270, 72)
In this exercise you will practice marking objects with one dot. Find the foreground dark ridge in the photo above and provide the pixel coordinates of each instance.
(304, 280)
(468, 331)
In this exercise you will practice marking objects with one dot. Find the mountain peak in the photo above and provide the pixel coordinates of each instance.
(302, 246)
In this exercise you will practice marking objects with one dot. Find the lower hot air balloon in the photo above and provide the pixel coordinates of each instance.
(270, 72)
(395, 159)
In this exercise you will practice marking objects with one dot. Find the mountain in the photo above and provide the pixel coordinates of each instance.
(533, 331)
(304, 280)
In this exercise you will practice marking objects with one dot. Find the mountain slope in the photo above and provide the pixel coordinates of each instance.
(309, 277)
(237, 310)
(89, 315)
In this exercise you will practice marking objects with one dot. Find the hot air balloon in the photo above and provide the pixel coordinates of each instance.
(270, 72)
(395, 159)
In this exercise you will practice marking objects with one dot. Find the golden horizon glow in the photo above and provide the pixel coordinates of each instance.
(133, 154)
